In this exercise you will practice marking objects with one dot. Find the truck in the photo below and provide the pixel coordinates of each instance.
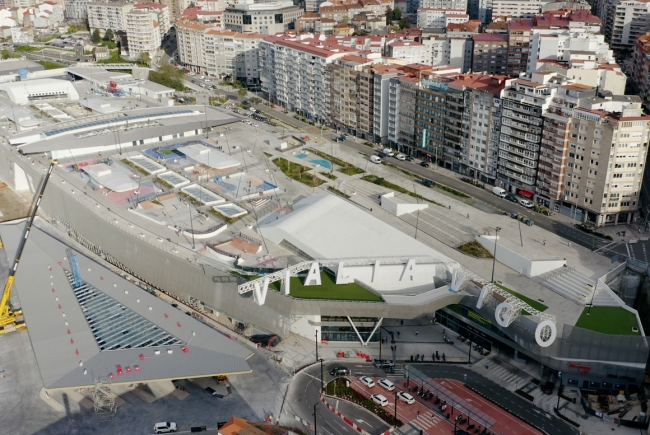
(498, 191)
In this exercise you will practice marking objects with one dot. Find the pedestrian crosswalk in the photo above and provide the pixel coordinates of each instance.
(399, 373)
(504, 376)
(427, 420)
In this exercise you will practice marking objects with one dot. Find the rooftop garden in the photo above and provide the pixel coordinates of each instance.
(609, 320)
(532, 302)
(298, 172)
(327, 290)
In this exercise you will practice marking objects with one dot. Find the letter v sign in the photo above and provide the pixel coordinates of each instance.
(260, 294)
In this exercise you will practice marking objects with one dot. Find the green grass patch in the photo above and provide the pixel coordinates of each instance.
(338, 192)
(532, 302)
(224, 217)
(50, 65)
(452, 191)
(49, 38)
(297, 172)
(329, 175)
(345, 167)
(135, 167)
(27, 49)
(475, 249)
(327, 290)
(268, 154)
(387, 184)
(609, 320)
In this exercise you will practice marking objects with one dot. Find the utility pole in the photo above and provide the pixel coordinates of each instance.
(315, 428)
(395, 418)
(321, 374)
(317, 345)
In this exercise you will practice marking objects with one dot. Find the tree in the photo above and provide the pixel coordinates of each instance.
(72, 29)
(255, 100)
(109, 35)
(242, 92)
(397, 14)
(96, 38)
(404, 24)
(145, 58)
(169, 76)
(389, 15)
(6, 54)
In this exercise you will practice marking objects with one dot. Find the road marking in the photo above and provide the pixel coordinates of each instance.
(363, 422)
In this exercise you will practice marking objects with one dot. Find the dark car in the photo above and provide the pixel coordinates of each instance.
(547, 388)
(339, 371)
(383, 363)
(428, 183)
(512, 198)
(424, 164)
(409, 159)
(343, 137)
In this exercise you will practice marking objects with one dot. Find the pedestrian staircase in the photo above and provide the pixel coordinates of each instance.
(569, 283)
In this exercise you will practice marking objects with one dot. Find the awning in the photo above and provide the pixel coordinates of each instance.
(526, 193)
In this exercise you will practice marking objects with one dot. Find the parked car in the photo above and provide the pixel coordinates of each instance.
(388, 152)
(401, 157)
(547, 388)
(424, 164)
(164, 427)
(498, 191)
(526, 203)
(379, 399)
(368, 382)
(409, 159)
(383, 363)
(512, 198)
(428, 183)
(385, 383)
(406, 397)
(340, 371)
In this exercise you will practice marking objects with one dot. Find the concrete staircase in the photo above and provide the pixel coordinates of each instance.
(572, 285)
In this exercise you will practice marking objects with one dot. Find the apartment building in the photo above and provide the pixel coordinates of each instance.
(268, 18)
(440, 18)
(439, 46)
(640, 70)
(211, 5)
(293, 72)
(204, 48)
(525, 9)
(608, 142)
(408, 51)
(459, 5)
(76, 10)
(146, 26)
(623, 22)
(524, 102)
(519, 32)
(461, 44)
(481, 121)
(104, 16)
(176, 7)
(490, 53)
(381, 99)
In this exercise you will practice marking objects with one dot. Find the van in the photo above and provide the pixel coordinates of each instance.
(499, 192)
(388, 152)
(375, 159)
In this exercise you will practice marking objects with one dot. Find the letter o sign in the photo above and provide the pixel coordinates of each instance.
(503, 306)
(545, 333)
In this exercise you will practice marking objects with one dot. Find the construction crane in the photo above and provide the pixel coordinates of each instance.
(8, 317)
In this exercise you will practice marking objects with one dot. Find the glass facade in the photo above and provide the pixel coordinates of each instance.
(340, 332)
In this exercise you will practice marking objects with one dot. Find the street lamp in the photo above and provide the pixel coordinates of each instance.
(395, 418)
(317, 345)
(321, 374)
(315, 431)
(494, 258)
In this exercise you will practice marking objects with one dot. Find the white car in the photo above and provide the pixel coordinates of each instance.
(164, 427)
(526, 203)
(368, 382)
(388, 385)
(401, 157)
(379, 399)
(406, 397)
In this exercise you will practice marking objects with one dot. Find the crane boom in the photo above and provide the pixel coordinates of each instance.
(6, 316)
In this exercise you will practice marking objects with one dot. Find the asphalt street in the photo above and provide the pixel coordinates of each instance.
(303, 394)
(551, 424)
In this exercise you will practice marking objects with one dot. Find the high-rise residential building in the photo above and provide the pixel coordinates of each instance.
(623, 22)
(440, 18)
(519, 32)
(408, 51)
(461, 44)
(143, 32)
(293, 72)
(607, 143)
(524, 101)
(176, 7)
(104, 16)
(479, 143)
(490, 53)
(640, 71)
(268, 18)
(460, 5)
(211, 5)
(76, 10)
(381, 100)
(204, 48)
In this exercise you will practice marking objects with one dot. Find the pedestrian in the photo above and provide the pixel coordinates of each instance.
(417, 332)
(449, 207)
(544, 242)
(443, 331)
(486, 366)
(418, 412)
(401, 322)
(569, 243)
(467, 215)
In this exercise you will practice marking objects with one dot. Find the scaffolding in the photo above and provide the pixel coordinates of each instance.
(104, 399)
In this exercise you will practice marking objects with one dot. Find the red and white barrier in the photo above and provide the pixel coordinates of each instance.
(352, 424)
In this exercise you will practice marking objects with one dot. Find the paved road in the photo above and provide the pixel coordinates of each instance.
(303, 394)
(552, 424)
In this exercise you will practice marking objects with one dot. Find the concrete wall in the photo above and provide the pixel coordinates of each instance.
(518, 262)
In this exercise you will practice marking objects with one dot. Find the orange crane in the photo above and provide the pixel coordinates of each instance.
(10, 319)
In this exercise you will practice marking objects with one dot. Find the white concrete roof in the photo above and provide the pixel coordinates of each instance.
(19, 91)
(209, 156)
(111, 178)
(327, 227)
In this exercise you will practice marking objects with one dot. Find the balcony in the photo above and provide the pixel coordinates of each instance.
(520, 117)
(523, 178)
(521, 152)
